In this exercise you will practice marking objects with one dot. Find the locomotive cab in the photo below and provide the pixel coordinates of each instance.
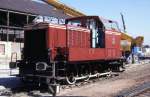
(98, 27)
(95, 25)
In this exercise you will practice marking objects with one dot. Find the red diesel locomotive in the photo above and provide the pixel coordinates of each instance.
(83, 48)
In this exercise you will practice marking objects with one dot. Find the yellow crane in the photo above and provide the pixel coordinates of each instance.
(68, 10)
(126, 42)
(130, 41)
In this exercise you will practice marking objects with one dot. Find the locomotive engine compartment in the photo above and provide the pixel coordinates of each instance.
(81, 49)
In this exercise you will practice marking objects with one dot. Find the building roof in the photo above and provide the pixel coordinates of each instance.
(32, 7)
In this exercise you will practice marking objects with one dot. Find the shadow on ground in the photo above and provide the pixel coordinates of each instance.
(10, 82)
(18, 89)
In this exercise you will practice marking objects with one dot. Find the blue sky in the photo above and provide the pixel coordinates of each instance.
(136, 13)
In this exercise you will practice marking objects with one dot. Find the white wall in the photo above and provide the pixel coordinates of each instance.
(6, 50)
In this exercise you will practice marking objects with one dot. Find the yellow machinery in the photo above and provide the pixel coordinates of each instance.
(138, 41)
(68, 10)
(127, 42)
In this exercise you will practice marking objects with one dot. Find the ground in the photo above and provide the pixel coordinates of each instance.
(135, 75)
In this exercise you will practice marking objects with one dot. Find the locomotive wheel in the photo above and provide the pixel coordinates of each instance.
(70, 80)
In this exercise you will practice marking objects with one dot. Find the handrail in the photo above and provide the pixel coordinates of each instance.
(13, 54)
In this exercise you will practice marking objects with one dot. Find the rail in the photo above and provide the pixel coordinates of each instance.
(135, 90)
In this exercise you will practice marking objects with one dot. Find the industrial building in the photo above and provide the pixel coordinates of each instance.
(14, 15)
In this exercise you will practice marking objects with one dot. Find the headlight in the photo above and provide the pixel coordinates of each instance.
(41, 66)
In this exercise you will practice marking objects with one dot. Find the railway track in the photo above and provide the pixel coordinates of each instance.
(142, 90)
(145, 93)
